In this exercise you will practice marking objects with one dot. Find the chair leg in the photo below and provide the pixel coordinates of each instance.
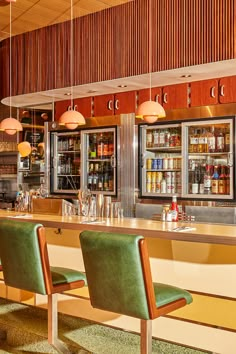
(146, 336)
(53, 325)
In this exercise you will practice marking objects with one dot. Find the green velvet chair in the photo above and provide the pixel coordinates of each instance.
(119, 280)
(25, 264)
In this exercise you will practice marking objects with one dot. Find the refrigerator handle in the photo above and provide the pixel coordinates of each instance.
(230, 159)
(113, 161)
(142, 160)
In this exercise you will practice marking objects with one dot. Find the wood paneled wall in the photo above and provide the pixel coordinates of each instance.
(114, 43)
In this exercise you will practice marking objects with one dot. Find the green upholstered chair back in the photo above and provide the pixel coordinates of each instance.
(114, 273)
(20, 255)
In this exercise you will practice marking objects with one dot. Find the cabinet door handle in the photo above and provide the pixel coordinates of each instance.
(157, 98)
(165, 98)
(222, 90)
(117, 104)
(69, 108)
(212, 94)
(110, 105)
(75, 107)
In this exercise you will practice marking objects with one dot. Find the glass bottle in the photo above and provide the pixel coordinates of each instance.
(211, 140)
(149, 138)
(100, 147)
(220, 140)
(110, 145)
(215, 181)
(174, 208)
(207, 180)
(222, 181)
(227, 139)
(156, 138)
(191, 140)
(93, 147)
(90, 177)
(95, 177)
(227, 173)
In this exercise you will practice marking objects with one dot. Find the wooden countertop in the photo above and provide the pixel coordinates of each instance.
(204, 233)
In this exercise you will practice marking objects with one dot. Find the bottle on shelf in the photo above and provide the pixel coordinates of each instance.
(93, 147)
(110, 145)
(227, 139)
(156, 138)
(215, 181)
(95, 177)
(196, 180)
(220, 140)
(174, 208)
(100, 147)
(191, 140)
(149, 138)
(90, 177)
(222, 181)
(227, 174)
(211, 140)
(207, 180)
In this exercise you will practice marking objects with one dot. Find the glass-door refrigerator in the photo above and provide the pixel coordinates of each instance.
(99, 160)
(192, 159)
(83, 159)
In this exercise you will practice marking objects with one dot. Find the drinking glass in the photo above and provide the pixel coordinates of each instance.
(84, 197)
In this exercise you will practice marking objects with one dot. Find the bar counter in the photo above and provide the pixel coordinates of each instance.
(201, 260)
(199, 232)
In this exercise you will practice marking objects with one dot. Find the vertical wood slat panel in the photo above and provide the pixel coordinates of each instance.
(114, 43)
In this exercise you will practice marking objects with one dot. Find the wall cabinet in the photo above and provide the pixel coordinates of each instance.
(82, 105)
(175, 96)
(227, 89)
(119, 103)
(144, 95)
(204, 93)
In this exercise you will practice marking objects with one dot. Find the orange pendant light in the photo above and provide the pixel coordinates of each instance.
(71, 119)
(24, 148)
(10, 126)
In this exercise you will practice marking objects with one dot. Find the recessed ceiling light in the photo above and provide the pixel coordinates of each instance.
(122, 86)
(185, 76)
(91, 91)
(67, 94)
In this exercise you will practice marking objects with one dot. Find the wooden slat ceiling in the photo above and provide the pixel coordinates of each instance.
(28, 15)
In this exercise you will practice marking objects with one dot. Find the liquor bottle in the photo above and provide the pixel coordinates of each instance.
(105, 147)
(90, 177)
(207, 180)
(167, 138)
(100, 147)
(149, 138)
(227, 140)
(227, 173)
(220, 141)
(191, 140)
(201, 140)
(215, 181)
(162, 138)
(196, 180)
(222, 181)
(211, 140)
(95, 177)
(195, 141)
(93, 147)
(174, 208)
(106, 177)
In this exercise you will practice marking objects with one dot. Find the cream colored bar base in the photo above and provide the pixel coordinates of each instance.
(202, 260)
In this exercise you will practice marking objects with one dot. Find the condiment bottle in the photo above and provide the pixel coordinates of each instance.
(174, 208)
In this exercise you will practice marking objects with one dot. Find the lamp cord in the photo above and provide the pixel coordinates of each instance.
(150, 48)
(71, 50)
(10, 88)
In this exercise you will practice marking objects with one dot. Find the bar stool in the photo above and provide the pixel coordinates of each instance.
(119, 280)
(25, 264)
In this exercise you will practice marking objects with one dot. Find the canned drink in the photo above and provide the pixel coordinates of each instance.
(149, 164)
(165, 163)
(154, 164)
(170, 163)
(149, 177)
(168, 188)
(175, 163)
(153, 187)
(167, 177)
(159, 176)
(148, 187)
(158, 187)
(154, 176)
(173, 176)
(159, 164)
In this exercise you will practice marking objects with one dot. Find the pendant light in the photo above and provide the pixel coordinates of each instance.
(24, 148)
(71, 118)
(10, 125)
(150, 110)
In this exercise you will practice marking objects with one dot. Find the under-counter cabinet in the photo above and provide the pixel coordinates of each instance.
(119, 103)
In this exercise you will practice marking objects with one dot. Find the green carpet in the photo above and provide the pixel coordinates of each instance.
(26, 328)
